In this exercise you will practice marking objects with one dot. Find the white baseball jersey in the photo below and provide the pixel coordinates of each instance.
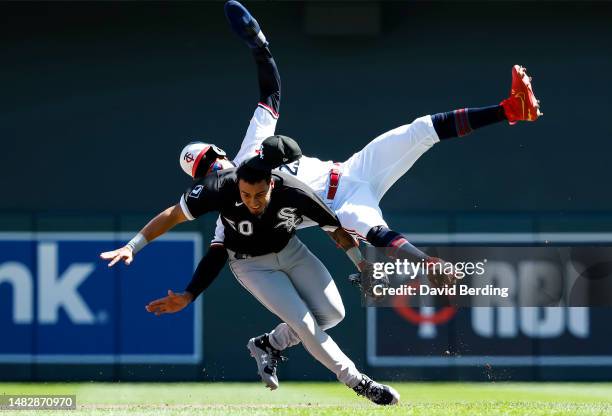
(365, 177)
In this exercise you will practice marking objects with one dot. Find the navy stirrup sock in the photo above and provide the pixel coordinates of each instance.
(461, 122)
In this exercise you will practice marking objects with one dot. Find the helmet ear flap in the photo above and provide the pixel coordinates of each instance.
(218, 151)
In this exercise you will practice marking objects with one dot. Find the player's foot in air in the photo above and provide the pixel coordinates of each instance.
(267, 359)
(376, 392)
(244, 25)
(522, 103)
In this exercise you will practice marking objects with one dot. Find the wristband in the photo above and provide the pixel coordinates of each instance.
(137, 243)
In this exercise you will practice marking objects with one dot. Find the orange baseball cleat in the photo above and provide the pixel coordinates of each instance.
(522, 103)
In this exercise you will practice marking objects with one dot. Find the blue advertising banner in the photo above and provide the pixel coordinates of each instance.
(59, 303)
(406, 334)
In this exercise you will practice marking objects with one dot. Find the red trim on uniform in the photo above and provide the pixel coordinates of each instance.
(466, 121)
(270, 109)
(334, 178)
(351, 231)
(462, 122)
(216, 244)
(197, 161)
(395, 245)
(458, 123)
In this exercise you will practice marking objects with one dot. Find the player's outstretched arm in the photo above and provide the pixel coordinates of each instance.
(247, 28)
(163, 222)
(263, 123)
(398, 246)
(209, 268)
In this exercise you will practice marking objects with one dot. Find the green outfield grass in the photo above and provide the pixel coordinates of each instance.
(324, 399)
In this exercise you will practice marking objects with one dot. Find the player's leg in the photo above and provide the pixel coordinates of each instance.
(521, 105)
(384, 160)
(276, 292)
(318, 290)
(357, 208)
(263, 122)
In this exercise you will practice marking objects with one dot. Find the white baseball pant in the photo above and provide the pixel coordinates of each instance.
(369, 173)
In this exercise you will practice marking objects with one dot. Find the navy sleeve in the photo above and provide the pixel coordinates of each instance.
(209, 268)
(268, 79)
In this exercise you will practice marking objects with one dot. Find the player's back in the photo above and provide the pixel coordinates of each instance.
(311, 171)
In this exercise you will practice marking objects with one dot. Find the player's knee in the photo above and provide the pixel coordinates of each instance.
(336, 316)
(304, 326)
(332, 317)
(422, 122)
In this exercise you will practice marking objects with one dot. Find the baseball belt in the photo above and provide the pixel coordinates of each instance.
(334, 177)
(237, 256)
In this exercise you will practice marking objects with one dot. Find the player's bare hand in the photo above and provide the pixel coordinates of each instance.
(124, 253)
(172, 303)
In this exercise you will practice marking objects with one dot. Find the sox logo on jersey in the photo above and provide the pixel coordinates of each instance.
(290, 220)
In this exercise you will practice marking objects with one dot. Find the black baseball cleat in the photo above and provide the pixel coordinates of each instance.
(244, 25)
(376, 392)
(267, 359)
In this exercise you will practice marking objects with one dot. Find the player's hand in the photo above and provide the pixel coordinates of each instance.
(437, 277)
(124, 253)
(172, 303)
(366, 281)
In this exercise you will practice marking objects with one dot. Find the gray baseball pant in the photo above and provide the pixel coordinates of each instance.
(295, 286)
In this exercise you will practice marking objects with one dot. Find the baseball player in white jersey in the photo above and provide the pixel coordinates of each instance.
(352, 189)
